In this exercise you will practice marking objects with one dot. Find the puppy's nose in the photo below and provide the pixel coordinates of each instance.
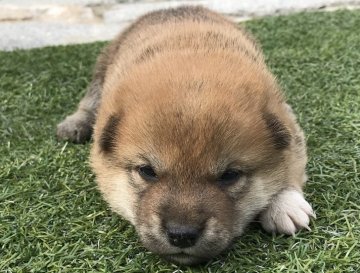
(182, 236)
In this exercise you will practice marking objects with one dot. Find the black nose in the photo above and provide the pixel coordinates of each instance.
(182, 236)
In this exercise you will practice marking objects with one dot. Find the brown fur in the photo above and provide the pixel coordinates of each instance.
(188, 92)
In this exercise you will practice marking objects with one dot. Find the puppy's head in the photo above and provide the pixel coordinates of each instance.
(189, 165)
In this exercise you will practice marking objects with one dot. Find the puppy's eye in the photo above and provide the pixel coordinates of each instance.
(147, 173)
(229, 177)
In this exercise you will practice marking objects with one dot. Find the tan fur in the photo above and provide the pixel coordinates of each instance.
(188, 92)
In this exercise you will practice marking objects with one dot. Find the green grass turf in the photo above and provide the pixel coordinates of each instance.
(52, 219)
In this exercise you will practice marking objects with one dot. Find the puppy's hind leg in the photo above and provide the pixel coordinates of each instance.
(78, 127)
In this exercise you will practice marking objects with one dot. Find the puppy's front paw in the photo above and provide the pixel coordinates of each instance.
(76, 128)
(288, 213)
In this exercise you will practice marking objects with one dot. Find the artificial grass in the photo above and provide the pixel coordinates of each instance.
(52, 219)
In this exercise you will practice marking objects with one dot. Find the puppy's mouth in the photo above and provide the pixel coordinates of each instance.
(182, 245)
(185, 258)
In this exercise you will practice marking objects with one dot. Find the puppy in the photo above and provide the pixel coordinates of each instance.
(192, 136)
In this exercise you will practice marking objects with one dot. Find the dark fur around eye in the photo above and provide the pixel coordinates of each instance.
(147, 173)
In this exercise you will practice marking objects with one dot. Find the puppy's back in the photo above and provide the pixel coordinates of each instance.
(185, 29)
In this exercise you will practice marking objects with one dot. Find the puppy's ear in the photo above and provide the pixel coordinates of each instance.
(279, 133)
(109, 133)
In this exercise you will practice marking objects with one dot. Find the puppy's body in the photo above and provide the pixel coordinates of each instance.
(192, 136)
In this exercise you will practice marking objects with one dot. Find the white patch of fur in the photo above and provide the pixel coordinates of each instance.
(120, 195)
(210, 231)
(287, 213)
(250, 205)
(155, 227)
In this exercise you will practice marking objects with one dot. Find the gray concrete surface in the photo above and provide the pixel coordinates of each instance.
(28, 24)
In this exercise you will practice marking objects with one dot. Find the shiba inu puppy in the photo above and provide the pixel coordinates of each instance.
(192, 136)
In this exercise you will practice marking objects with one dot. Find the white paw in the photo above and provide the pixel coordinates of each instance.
(288, 213)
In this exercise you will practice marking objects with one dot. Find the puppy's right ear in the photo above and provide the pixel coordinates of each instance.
(279, 133)
(109, 134)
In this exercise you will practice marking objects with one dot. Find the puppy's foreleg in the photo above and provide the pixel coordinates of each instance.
(287, 213)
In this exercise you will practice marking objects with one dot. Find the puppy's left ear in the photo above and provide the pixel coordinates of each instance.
(280, 134)
(109, 134)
